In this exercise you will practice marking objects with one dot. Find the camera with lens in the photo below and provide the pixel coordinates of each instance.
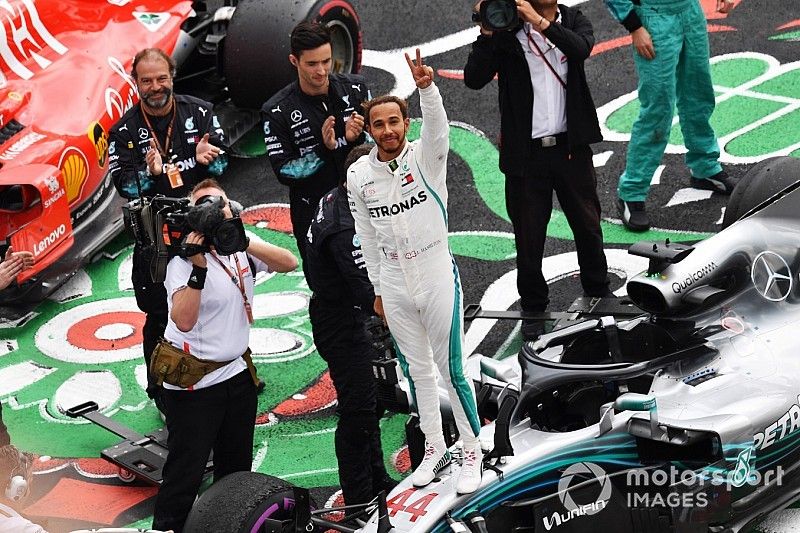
(497, 15)
(161, 224)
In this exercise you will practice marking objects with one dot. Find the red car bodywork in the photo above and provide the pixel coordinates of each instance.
(64, 83)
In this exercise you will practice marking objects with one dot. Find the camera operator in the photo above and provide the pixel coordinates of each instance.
(165, 144)
(342, 301)
(547, 122)
(15, 484)
(208, 378)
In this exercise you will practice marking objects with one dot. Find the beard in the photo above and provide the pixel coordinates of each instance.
(159, 99)
(392, 147)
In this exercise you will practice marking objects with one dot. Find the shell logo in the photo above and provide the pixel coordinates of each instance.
(75, 169)
(99, 137)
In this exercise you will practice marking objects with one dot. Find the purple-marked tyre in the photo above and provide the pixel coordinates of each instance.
(255, 52)
(240, 503)
(762, 181)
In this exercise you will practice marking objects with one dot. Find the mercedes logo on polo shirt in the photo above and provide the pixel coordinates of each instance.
(771, 276)
(296, 115)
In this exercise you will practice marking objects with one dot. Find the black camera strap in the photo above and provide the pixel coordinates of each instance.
(543, 58)
(240, 285)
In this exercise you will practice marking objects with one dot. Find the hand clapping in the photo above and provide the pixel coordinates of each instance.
(153, 158)
(206, 152)
(14, 263)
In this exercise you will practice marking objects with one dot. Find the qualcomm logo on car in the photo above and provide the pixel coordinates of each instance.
(771, 276)
(573, 510)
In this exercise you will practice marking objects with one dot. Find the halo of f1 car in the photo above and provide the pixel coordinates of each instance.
(56, 198)
(675, 408)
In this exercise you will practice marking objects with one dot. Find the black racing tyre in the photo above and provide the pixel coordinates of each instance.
(239, 502)
(255, 51)
(763, 180)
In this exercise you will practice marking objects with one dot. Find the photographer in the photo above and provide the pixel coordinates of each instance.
(341, 304)
(208, 378)
(165, 144)
(547, 122)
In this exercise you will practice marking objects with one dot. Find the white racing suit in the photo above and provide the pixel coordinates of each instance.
(400, 211)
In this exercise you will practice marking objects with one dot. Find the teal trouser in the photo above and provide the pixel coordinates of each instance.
(680, 71)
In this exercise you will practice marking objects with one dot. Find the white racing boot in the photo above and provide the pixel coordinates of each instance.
(437, 456)
(471, 470)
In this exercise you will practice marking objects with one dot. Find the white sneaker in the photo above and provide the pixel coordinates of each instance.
(436, 458)
(471, 471)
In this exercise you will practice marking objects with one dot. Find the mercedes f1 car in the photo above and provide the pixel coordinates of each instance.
(680, 414)
(64, 82)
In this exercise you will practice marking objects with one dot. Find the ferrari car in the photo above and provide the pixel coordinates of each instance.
(679, 411)
(64, 81)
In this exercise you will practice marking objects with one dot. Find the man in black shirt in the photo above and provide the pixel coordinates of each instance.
(342, 301)
(165, 144)
(312, 124)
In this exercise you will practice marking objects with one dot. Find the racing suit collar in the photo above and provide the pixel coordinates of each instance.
(392, 165)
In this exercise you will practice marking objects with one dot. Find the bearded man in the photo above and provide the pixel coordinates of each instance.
(165, 144)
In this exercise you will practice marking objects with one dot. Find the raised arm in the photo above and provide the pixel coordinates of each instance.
(435, 135)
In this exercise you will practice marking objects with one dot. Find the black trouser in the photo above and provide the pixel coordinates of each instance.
(220, 417)
(5, 438)
(301, 212)
(341, 340)
(529, 202)
(152, 300)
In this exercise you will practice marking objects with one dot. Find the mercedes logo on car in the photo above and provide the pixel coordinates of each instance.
(771, 276)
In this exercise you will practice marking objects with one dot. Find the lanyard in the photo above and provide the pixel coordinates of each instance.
(247, 307)
(165, 150)
(546, 62)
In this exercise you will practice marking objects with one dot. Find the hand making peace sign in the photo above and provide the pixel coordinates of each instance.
(423, 74)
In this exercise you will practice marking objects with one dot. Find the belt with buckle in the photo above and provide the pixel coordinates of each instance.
(549, 141)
